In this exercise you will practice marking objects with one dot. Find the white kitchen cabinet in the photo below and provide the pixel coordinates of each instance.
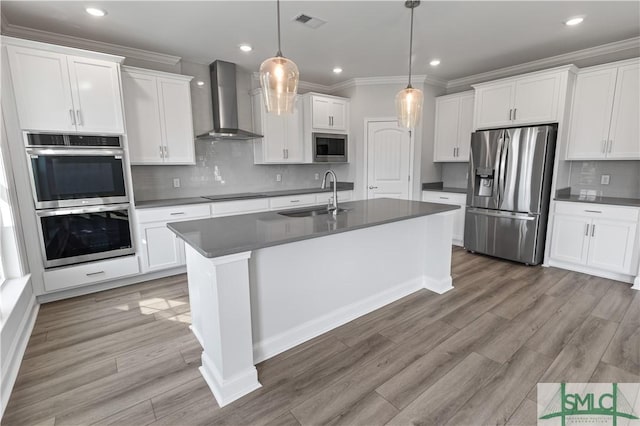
(527, 99)
(343, 196)
(453, 127)
(283, 138)
(595, 237)
(451, 198)
(292, 201)
(59, 92)
(329, 112)
(159, 118)
(90, 273)
(604, 121)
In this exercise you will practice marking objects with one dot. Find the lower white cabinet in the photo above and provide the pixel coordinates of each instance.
(455, 199)
(293, 201)
(90, 273)
(593, 236)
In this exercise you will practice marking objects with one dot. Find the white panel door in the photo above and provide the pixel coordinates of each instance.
(591, 115)
(42, 89)
(446, 129)
(388, 160)
(95, 87)
(624, 136)
(570, 239)
(141, 107)
(338, 114)
(176, 121)
(465, 128)
(494, 104)
(612, 245)
(162, 249)
(536, 99)
(320, 112)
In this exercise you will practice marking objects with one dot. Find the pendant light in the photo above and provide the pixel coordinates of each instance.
(279, 80)
(409, 100)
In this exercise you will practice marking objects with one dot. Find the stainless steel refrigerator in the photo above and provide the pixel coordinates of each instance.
(508, 192)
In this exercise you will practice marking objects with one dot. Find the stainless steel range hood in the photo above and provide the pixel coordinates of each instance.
(225, 105)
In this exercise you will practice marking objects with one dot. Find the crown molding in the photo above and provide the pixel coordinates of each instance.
(81, 43)
(537, 65)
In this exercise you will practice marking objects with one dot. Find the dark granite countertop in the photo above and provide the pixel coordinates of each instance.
(222, 236)
(617, 201)
(342, 186)
(438, 186)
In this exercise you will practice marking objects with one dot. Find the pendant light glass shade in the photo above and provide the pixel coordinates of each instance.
(279, 80)
(409, 107)
(409, 100)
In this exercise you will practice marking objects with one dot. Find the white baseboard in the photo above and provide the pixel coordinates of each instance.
(272, 346)
(16, 352)
(591, 271)
(438, 286)
(227, 391)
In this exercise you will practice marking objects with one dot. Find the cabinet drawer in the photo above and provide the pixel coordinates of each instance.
(237, 207)
(444, 197)
(90, 273)
(326, 196)
(597, 211)
(169, 214)
(293, 201)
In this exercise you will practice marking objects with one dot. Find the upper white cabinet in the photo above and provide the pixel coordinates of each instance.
(159, 121)
(283, 140)
(59, 92)
(606, 107)
(528, 99)
(327, 113)
(454, 125)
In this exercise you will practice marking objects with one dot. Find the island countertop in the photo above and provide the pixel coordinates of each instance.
(223, 236)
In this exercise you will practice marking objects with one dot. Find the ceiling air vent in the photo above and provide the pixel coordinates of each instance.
(309, 21)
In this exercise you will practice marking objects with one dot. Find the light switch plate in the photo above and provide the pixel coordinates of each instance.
(604, 179)
(176, 182)
(278, 177)
(317, 176)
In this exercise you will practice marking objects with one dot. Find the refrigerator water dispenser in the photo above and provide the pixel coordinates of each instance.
(484, 182)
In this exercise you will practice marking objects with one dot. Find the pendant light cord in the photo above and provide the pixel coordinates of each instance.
(279, 49)
(410, 46)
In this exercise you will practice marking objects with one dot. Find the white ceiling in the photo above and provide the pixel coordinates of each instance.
(365, 38)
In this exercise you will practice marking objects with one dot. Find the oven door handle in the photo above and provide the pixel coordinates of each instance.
(81, 210)
(75, 152)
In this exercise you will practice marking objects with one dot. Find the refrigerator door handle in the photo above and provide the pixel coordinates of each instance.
(498, 168)
(502, 166)
(502, 214)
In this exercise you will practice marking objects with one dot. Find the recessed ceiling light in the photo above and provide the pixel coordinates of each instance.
(94, 11)
(337, 70)
(574, 21)
(435, 62)
(246, 48)
(200, 83)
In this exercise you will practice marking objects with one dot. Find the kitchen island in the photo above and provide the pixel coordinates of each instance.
(262, 283)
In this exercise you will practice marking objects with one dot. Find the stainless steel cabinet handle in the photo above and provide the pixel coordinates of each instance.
(166, 152)
(161, 152)
(510, 114)
(94, 273)
(586, 229)
(593, 230)
(610, 145)
(593, 211)
(604, 146)
(80, 123)
(444, 198)
(514, 113)
(373, 187)
(176, 213)
(294, 201)
(73, 118)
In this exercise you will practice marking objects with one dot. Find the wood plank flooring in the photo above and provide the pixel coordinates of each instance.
(471, 356)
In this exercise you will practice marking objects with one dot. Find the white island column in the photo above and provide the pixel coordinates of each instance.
(221, 321)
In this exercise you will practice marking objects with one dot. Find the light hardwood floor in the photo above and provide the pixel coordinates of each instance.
(471, 356)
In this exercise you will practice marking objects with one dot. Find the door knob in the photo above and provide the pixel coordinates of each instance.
(373, 187)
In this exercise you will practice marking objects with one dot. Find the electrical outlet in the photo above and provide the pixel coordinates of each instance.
(176, 182)
(604, 179)
(317, 176)
(278, 177)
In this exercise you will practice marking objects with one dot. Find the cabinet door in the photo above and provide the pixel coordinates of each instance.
(274, 129)
(320, 112)
(612, 245)
(591, 114)
(42, 89)
(176, 122)
(162, 249)
(294, 135)
(536, 99)
(570, 239)
(493, 105)
(465, 128)
(338, 114)
(624, 136)
(142, 109)
(446, 129)
(95, 87)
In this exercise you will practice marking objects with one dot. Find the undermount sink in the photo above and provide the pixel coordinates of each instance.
(315, 211)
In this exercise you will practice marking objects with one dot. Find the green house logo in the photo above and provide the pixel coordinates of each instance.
(592, 403)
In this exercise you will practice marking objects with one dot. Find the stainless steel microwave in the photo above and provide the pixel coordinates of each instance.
(330, 148)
